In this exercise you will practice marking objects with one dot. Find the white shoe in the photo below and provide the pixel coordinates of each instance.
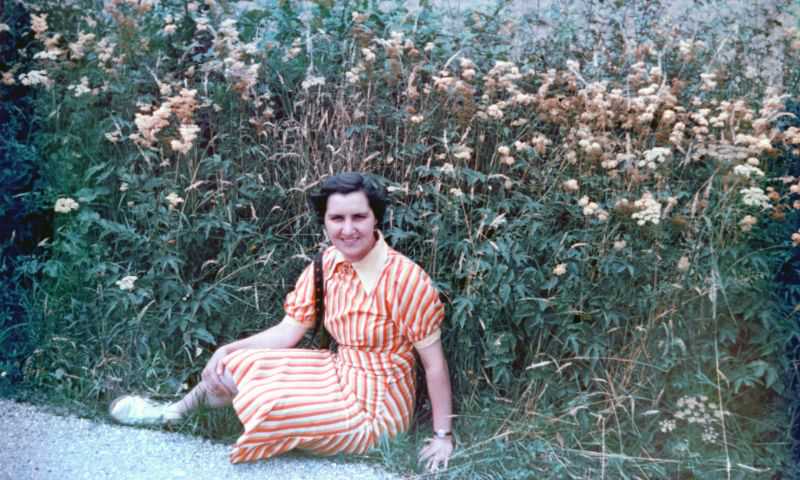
(135, 410)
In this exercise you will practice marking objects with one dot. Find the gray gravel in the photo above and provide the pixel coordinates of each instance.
(38, 445)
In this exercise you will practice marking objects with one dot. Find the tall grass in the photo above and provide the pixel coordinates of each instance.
(599, 193)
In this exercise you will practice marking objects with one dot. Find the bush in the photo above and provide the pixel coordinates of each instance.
(603, 204)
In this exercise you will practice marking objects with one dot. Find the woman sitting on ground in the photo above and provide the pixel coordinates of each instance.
(379, 306)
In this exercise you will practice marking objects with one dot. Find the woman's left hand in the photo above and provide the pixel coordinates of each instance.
(436, 452)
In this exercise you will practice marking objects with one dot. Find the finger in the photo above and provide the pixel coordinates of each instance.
(424, 455)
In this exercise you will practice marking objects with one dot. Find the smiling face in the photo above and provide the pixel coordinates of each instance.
(350, 224)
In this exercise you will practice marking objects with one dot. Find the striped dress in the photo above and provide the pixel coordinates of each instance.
(329, 403)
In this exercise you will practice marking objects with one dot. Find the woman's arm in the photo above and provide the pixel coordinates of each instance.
(437, 378)
(283, 335)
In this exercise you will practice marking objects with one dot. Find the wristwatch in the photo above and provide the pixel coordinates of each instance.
(442, 433)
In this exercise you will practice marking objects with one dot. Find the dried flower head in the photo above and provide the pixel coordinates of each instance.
(747, 223)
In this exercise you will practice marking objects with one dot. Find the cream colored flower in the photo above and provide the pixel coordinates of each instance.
(39, 23)
(174, 200)
(456, 192)
(127, 283)
(312, 81)
(78, 49)
(747, 171)
(369, 55)
(170, 29)
(503, 150)
(495, 112)
(188, 135)
(36, 77)
(755, 197)
(81, 88)
(447, 169)
(649, 210)
(65, 205)
(462, 152)
(571, 185)
(667, 426)
(560, 269)
(620, 245)
(507, 160)
(655, 157)
(123, 187)
(683, 264)
(416, 119)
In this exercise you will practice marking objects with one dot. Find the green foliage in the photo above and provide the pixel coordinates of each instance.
(522, 156)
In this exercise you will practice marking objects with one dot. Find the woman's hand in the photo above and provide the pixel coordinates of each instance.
(436, 451)
(212, 374)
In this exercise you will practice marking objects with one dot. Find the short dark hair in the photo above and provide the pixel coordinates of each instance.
(349, 182)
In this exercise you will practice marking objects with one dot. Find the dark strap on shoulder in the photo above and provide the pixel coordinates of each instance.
(319, 305)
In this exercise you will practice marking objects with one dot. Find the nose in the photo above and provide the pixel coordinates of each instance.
(348, 227)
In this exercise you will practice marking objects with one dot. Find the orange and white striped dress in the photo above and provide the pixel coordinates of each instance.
(378, 310)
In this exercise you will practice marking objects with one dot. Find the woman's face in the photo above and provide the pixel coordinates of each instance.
(350, 224)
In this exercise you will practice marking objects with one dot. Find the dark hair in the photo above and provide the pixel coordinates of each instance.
(345, 183)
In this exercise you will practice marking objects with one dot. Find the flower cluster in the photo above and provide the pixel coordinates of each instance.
(149, 125)
(698, 410)
(755, 197)
(127, 282)
(173, 200)
(748, 171)
(77, 49)
(36, 77)
(592, 209)
(188, 134)
(65, 205)
(655, 157)
(649, 210)
(82, 88)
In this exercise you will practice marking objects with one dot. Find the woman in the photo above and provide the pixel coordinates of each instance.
(379, 307)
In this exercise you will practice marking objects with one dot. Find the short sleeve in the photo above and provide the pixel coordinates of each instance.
(299, 303)
(419, 311)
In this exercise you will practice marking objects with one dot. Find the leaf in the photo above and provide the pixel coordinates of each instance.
(204, 335)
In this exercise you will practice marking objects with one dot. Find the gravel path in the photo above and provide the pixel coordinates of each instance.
(36, 445)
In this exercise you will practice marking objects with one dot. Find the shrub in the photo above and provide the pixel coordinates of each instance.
(604, 206)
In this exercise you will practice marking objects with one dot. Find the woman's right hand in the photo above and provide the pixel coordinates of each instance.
(212, 374)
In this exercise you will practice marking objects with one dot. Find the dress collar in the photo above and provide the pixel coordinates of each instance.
(370, 267)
